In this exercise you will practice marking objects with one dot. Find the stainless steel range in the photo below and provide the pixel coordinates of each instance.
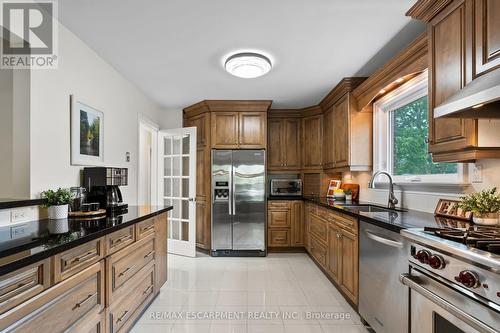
(454, 279)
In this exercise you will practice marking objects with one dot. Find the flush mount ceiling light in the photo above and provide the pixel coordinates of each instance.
(247, 65)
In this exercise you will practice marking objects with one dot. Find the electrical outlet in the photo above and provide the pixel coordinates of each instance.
(127, 157)
(477, 173)
(20, 215)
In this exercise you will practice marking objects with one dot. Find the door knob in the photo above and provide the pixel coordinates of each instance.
(192, 199)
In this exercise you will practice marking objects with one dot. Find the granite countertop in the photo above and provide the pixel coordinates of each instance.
(395, 221)
(25, 243)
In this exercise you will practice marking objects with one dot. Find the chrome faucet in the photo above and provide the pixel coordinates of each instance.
(393, 201)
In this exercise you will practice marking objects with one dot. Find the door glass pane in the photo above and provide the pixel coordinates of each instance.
(185, 166)
(177, 207)
(185, 231)
(185, 145)
(185, 188)
(168, 187)
(176, 188)
(176, 146)
(175, 229)
(168, 146)
(185, 210)
(176, 166)
(168, 166)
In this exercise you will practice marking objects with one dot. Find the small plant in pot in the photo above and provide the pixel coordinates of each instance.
(348, 194)
(484, 206)
(57, 203)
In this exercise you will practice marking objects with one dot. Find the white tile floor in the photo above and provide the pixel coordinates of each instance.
(279, 293)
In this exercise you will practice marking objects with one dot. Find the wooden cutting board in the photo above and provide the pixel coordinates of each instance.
(354, 188)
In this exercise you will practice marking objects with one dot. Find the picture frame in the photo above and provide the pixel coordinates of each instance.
(332, 186)
(449, 208)
(87, 133)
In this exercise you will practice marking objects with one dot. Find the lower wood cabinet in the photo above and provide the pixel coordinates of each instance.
(285, 223)
(333, 243)
(100, 286)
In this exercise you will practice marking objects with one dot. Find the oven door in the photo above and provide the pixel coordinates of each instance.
(438, 308)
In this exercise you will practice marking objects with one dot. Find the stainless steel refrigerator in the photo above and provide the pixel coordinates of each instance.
(238, 203)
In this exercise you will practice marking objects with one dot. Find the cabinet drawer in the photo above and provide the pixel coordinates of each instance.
(77, 259)
(123, 265)
(93, 322)
(318, 250)
(345, 222)
(318, 227)
(312, 208)
(278, 218)
(124, 309)
(60, 307)
(145, 228)
(120, 239)
(278, 237)
(278, 204)
(23, 284)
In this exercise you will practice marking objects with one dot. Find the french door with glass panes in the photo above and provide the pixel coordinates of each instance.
(177, 188)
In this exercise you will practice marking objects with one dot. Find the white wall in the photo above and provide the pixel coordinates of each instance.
(6, 85)
(426, 199)
(83, 73)
(171, 119)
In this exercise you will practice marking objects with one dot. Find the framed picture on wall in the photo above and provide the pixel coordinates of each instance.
(87, 134)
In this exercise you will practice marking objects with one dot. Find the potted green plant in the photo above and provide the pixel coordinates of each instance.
(57, 202)
(484, 206)
(348, 194)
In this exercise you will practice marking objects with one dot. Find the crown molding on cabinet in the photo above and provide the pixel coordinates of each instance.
(227, 105)
(425, 10)
(345, 85)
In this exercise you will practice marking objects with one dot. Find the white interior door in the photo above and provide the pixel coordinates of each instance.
(177, 169)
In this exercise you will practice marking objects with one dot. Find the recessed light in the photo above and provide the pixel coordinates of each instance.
(477, 106)
(248, 65)
(382, 91)
(400, 80)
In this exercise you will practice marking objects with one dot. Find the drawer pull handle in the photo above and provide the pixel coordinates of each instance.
(148, 228)
(148, 290)
(280, 239)
(82, 257)
(121, 239)
(149, 254)
(125, 271)
(79, 304)
(122, 316)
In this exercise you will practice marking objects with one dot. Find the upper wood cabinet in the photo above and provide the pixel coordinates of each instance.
(283, 144)
(347, 133)
(239, 130)
(464, 45)
(225, 131)
(486, 35)
(312, 142)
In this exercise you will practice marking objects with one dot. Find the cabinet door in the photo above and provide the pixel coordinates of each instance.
(202, 124)
(279, 218)
(225, 130)
(278, 238)
(341, 130)
(313, 140)
(297, 219)
(275, 145)
(291, 143)
(328, 139)
(447, 49)
(334, 253)
(252, 132)
(202, 225)
(487, 36)
(349, 269)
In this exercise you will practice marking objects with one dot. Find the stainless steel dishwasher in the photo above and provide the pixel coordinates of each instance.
(383, 301)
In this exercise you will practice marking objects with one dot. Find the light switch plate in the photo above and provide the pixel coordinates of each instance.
(477, 173)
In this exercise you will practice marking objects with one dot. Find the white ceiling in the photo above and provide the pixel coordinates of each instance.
(173, 49)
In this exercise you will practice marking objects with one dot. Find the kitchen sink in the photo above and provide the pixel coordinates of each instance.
(371, 209)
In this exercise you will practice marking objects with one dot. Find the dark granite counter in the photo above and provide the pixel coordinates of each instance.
(285, 197)
(26, 243)
(395, 221)
(6, 203)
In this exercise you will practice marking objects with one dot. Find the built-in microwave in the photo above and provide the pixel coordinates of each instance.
(288, 187)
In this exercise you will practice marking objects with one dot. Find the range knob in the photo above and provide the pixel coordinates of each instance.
(468, 279)
(423, 256)
(436, 261)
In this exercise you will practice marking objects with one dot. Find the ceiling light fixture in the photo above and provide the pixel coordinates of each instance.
(248, 65)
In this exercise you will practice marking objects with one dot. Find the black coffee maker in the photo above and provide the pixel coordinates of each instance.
(103, 186)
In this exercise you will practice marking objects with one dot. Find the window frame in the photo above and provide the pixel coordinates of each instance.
(383, 134)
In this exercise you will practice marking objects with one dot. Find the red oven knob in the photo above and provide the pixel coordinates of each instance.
(423, 256)
(436, 262)
(468, 279)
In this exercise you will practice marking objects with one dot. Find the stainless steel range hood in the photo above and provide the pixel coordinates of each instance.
(479, 99)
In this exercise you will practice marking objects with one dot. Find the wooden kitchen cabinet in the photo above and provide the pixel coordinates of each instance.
(464, 45)
(225, 130)
(285, 223)
(334, 252)
(312, 142)
(341, 126)
(349, 268)
(329, 138)
(284, 144)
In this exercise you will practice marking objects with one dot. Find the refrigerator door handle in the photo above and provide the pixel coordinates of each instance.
(230, 198)
(233, 185)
